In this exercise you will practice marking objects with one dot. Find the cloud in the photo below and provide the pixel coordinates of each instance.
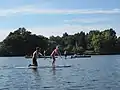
(70, 29)
(58, 31)
(36, 10)
(86, 20)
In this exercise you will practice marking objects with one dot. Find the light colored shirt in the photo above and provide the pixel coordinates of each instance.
(35, 54)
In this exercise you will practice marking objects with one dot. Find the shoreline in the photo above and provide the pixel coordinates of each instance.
(62, 55)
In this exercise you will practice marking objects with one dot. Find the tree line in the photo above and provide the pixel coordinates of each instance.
(22, 42)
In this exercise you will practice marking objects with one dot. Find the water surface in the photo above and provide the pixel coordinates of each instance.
(95, 73)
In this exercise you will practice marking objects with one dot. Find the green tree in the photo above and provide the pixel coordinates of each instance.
(96, 42)
(89, 40)
(22, 42)
(109, 39)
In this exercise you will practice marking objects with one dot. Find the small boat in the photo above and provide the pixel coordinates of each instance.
(80, 56)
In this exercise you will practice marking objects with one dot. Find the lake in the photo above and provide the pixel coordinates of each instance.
(95, 73)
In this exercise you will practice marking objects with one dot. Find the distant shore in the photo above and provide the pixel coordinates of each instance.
(63, 54)
(22, 42)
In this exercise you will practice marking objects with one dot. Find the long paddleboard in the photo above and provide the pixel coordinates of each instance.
(35, 67)
(30, 67)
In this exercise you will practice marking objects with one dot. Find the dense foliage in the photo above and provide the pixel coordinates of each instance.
(22, 42)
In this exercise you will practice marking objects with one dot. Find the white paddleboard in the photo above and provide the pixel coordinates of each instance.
(35, 67)
(30, 67)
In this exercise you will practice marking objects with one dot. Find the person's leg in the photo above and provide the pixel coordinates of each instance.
(35, 62)
(53, 63)
(29, 65)
(65, 56)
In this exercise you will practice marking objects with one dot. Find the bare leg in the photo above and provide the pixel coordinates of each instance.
(53, 63)
(34, 62)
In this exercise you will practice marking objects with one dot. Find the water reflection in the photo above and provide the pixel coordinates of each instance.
(35, 80)
(36, 72)
(54, 70)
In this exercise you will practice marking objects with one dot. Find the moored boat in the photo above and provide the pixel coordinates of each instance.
(80, 56)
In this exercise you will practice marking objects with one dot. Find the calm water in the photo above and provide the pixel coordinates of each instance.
(95, 73)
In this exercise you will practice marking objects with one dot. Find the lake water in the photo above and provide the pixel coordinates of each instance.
(95, 73)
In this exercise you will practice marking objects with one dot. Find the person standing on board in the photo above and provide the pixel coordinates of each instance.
(65, 54)
(54, 52)
(36, 53)
(44, 53)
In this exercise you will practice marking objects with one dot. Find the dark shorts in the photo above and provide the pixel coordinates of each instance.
(65, 55)
(53, 57)
(35, 62)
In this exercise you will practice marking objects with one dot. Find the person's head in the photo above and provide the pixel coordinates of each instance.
(37, 48)
(57, 47)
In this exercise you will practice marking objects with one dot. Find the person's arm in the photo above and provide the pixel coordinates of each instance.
(59, 53)
(40, 54)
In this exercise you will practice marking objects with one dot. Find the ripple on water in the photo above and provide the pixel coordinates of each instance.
(47, 87)
(94, 80)
(4, 88)
(69, 82)
(79, 86)
(75, 87)
(6, 67)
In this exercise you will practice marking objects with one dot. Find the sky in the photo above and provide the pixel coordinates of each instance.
(55, 17)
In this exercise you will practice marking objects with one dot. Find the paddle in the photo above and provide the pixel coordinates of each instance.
(63, 61)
